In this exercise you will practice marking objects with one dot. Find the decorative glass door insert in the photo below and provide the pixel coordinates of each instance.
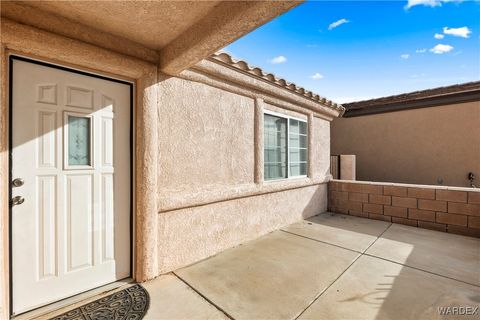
(78, 136)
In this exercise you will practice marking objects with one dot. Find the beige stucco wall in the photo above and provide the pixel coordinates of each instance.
(206, 137)
(209, 196)
(416, 146)
(191, 234)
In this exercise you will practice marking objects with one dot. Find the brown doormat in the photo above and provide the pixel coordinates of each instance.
(131, 303)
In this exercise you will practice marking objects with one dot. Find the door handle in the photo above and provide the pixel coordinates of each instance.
(17, 200)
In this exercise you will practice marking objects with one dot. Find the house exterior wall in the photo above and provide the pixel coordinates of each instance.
(209, 197)
(417, 146)
(198, 185)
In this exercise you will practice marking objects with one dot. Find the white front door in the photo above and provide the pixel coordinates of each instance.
(71, 166)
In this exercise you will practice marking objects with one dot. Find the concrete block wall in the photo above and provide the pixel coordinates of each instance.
(447, 209)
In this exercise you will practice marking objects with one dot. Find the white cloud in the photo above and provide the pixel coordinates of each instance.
(420, 75)
(337, 23)
(438, 36)
(463, 32)
(428, 3)
(405, 56)
(441, 48)
(317, 76)
(279, 59)
(421, 50)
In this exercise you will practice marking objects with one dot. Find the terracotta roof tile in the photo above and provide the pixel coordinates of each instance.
(257, 72)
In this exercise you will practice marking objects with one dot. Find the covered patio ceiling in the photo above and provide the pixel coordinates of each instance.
(174, 34)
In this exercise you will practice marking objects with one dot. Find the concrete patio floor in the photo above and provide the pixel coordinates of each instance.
(327, 267)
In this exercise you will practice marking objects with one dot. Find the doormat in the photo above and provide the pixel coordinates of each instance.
(131, 303)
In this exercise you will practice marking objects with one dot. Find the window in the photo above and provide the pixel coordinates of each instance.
(282, 134)
(78, 131)
(297, 147)
(78, 141)
(275, 147)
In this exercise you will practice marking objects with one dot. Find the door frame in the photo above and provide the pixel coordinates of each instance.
(131, 85)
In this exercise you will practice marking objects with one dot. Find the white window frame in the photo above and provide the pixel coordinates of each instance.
(287, 117)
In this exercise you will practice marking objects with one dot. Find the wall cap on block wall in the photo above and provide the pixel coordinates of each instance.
(407, 185)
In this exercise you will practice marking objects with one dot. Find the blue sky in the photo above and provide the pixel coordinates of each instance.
(356, 50)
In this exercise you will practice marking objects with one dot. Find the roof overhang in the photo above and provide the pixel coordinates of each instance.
(459, 93)
(173, 34)
(220, 70)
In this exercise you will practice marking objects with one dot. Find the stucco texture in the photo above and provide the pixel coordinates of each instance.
(435, 145)
(192, 234)
(321, 148)
(210, 150)
(206, 137)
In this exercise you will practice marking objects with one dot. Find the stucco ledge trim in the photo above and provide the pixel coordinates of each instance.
(170, 200)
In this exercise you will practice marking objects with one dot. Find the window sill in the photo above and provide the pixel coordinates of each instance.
(296, 178)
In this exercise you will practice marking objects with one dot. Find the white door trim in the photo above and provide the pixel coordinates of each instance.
(89, 73)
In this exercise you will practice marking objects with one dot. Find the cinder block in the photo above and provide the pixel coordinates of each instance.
(395, 191)
(379, 199)
(474, 222)
(354, 205)
(339, 195)
(422, 215)
(351, 187)
(395, 211)
(334, 186)
(432, 205)
(373, 208)
(474, 197)
(448, 218)
(450, 195)
(404, 202)
(354, 196)
(464, 208)
(421, 193)
(372, 188)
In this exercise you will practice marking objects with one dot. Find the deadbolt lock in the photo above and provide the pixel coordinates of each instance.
(18, 182)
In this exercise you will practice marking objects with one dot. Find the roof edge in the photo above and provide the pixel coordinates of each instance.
(439, 93)
(243, 66)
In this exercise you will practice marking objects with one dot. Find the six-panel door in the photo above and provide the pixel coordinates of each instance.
(71, 147)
